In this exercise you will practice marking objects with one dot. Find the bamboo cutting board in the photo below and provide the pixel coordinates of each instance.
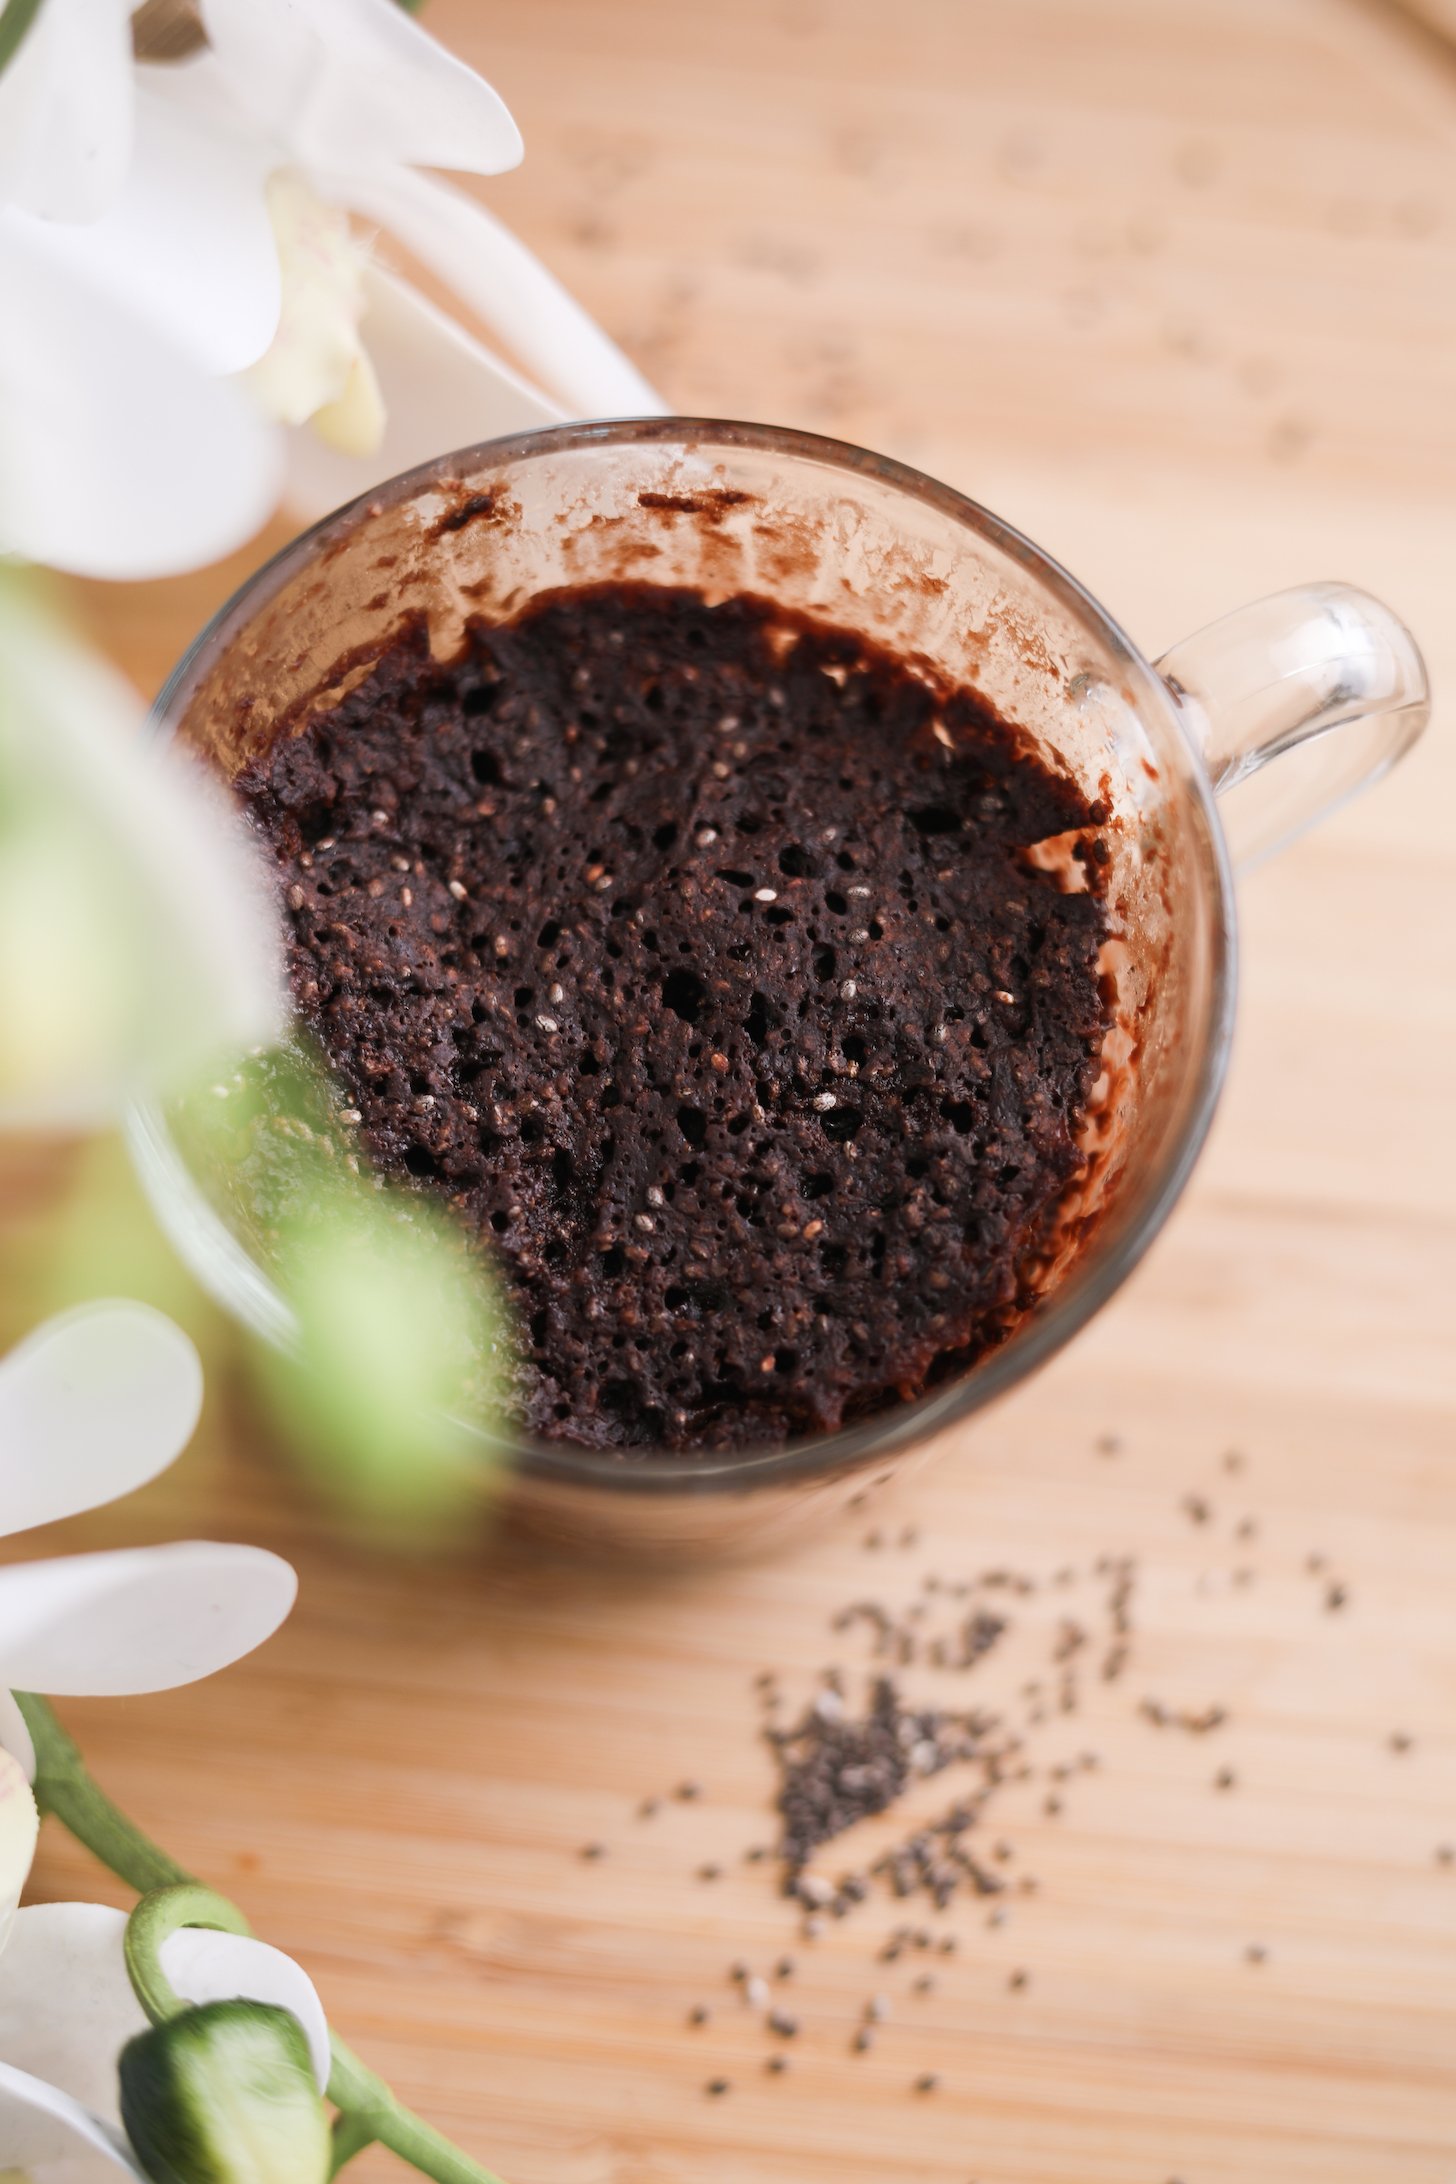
(1172, 285)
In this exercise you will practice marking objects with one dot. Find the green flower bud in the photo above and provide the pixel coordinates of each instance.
(225, 2094)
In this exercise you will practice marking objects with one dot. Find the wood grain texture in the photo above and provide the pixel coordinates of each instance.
(1172, 285)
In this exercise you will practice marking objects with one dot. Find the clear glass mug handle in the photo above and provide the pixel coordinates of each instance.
(1323, 679)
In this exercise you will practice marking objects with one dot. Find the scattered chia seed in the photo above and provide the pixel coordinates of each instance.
(717, 2087)
(776, 2063)
(699, 2015)
(783, 2024)
(593, 1850)
(926, 2082)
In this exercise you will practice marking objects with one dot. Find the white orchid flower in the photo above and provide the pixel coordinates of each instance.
(93, 1405)
(67, 2009)
(191, 216)
(138, 941)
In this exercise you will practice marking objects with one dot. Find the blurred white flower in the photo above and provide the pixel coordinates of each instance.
(93, 1405)
(67, 2009)
(188, 216)
(137, 936)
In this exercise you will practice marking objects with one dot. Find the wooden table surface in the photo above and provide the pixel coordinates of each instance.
(1172, 285)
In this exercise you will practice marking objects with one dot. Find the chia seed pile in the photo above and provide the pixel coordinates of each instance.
(697, 957)
(862, 1745)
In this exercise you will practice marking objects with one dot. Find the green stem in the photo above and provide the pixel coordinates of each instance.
(152, 1924)
(355, 2089)
(16, 18)
(351, 2135)
(65, 1788)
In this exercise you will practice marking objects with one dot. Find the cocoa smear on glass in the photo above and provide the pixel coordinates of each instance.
(696, 954)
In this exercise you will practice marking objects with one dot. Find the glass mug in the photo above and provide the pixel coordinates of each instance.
(1323, 680)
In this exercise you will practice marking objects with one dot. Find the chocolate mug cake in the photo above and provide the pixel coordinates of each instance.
(736, 985)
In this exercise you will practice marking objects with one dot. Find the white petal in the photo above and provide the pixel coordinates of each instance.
(118, 456)
(66, 110)
(141, 1619)
(19, 1827)
(67, 2006)
(43, 2129)
(137, 938)
(92, 1405)
(509, 288)
(442, 389)
(207, 1967)
(356, 82)
(14, 1736)
(186, 244)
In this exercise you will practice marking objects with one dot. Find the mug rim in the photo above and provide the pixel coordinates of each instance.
(233, 1278)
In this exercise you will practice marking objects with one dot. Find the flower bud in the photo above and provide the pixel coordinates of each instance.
(225, 2094)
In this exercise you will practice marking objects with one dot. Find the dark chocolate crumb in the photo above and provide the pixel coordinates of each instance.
(791, 1051)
